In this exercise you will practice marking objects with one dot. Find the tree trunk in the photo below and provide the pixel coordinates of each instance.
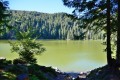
(118, 35)
(109, 57)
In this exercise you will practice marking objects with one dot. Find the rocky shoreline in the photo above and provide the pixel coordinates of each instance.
(49, 75)
(10, 71)
(52, 76)
(36, 71)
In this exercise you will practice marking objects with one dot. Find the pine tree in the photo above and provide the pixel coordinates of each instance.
(4, 16)
(95, 11)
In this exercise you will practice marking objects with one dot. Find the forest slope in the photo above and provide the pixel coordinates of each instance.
(49, 26)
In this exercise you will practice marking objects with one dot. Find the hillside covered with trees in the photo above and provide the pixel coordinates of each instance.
(50, 26)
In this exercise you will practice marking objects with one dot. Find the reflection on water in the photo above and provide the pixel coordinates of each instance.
(67, 55)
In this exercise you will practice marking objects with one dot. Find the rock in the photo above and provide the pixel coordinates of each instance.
(111, 77)
(56, 69)
(68, 77)
(2, 58)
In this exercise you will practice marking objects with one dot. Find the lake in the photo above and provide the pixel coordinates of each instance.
(68, 56)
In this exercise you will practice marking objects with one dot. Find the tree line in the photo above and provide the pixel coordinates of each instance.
(50, 26)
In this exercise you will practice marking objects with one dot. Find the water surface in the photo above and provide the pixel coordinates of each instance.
(69, 56)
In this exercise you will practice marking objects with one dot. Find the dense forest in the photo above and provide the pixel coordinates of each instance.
(50, 26)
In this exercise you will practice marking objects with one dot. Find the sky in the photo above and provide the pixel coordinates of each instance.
(46, 6)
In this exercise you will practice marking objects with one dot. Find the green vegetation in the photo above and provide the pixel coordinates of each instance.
(50, 26)
(108, 13)
(26, 49)
(4, 17)
(26, 46)
(90, 24)
(101, 13)
(35, 72)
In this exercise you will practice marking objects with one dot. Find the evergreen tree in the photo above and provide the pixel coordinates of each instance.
(4, 16)
(26, 46)
(118, 35)
(95, 10)
(49, 26)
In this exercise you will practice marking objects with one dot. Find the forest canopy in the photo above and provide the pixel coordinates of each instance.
(50, 26)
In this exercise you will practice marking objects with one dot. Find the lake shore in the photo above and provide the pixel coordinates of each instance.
(11, 71)
(31, 71)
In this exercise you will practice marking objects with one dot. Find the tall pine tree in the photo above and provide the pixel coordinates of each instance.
(92, 10)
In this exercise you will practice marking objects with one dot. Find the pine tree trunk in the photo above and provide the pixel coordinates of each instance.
(118, 35)
(109, 57)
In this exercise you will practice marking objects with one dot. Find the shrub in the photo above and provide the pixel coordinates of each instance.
(4, 62)
(27, 48)
(18, 69)
(33, 77)
(7, 76)
(35, 70)
(19, 61)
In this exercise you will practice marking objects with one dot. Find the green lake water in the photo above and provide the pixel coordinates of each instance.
(69, 56)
